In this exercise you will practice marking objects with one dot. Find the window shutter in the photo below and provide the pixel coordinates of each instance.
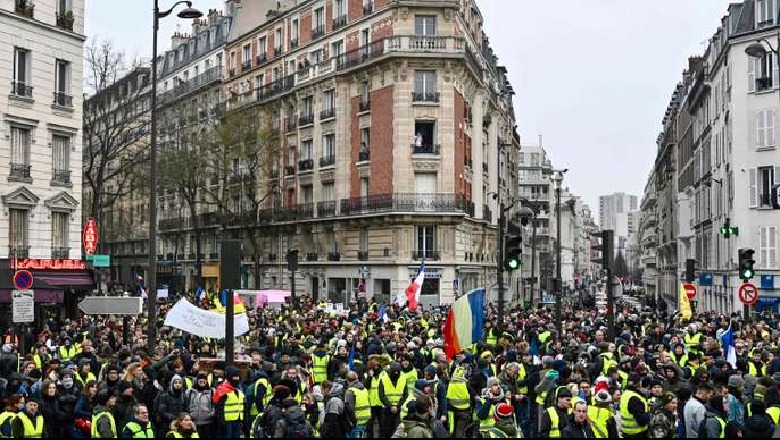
(769, 138)
(763, 258)
(776, 176)
(751, 74)
(760, 126)
(752, 189)
(772, 232)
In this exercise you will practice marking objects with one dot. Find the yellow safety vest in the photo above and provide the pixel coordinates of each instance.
(83, 382)
(599, 417)
(490, 421)
(394, 393)
(458, 394)
(67, 354)
(7, 417)
(682, 360)
(609, 361)
(722, 427)
(410, 377)
(373, 392)
(692, 342)
(555, 423)
(491, 339)
(177, 434)
(234, 406)
(301, 391)
(493, 433)
(753, 371)
(139, 432)
(96, 418)
(629, 424)
(362, 406)
(320, 368)
(30, 430)
(521, 376)
(253, 411)
(774, 413)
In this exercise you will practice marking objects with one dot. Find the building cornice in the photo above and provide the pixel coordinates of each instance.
(43, 25)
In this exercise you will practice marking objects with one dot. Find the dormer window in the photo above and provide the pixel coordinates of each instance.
(766, 12)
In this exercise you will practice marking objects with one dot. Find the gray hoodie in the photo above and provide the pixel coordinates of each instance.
(349, 400)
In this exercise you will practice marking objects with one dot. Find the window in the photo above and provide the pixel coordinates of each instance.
(337, 48)
(765, 12)
(246, 57)
(307, 194)
(425, 25)
(308, 106)
(315, 57)
(60, 155)
(59, 230)
(262, 48)
(319, 20)
(63, 6)
(424, 135)
(426, 241)
(329, 100)
(534, 159)
(768, 247)
(278, 40)
(21, 84)
(295, 30)
(62, 78)
(329, 146)
(363, 186)
(364, 37)
(306, 150)
(765, 128)
(424, 85)
(365, 138)
(760, 182)
(327, 192)
(340, 8)
(364, 239)
(20, 145)
(17, 222)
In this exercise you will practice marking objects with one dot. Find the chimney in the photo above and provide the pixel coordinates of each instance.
(178, 38)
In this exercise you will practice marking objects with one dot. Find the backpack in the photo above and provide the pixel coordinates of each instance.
(297, 427)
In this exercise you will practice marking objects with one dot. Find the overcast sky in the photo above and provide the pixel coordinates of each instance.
(592, 77)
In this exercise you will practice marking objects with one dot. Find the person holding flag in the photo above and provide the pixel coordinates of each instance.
(414, 289)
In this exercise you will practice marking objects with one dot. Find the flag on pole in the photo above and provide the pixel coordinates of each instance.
(413, 291)
(685, 304)
(729, 340)
(464, 322)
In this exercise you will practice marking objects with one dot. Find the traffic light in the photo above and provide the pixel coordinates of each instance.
(690, 270)
(513, 257)
(746, 262)
(727, 230)
(292, 260)
(605, 248)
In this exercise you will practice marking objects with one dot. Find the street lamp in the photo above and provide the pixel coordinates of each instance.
(558, 180)
(151, 279)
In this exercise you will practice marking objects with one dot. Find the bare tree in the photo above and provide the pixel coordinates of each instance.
(116, 126)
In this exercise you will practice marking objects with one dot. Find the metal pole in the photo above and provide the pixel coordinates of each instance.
(533, 257)
(229, 326)
(607, 240)
(151, 277)
(500, 262)
(558, 277)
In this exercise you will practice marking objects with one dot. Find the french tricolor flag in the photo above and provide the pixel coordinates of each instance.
(413, 291)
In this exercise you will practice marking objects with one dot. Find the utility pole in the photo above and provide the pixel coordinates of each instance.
(500, 262)
(607, 237)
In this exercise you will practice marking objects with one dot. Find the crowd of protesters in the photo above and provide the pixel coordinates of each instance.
(382, 372)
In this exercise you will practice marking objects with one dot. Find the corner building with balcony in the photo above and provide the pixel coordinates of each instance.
(41, 44)
(397, 127)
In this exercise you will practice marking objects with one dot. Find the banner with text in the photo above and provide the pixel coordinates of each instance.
(203, 323)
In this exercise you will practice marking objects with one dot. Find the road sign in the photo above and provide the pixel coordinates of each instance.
(690, 290)
(748, 293)
(23, 279)
(111, 305)
(363, 272)
(99, 260)
(23, 305)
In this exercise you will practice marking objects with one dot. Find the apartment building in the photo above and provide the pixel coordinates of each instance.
(618, 212)
(42, 44)
(647, 238)
(397, 130)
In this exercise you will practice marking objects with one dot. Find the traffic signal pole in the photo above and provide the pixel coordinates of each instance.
(500, 262)
(607, 241)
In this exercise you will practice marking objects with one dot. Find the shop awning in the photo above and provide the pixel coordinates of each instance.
(67, 280)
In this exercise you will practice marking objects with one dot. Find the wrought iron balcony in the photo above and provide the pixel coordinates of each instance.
(305, 211)
(20, 170)
(22, 89)
(426, 149)
(763, 84)
(425, 97)
(317, 32)
(289, 170)
(306, 119)
(407, 202)
(246, 65)
(19, 251)
(334, 256)
(305, 165)
(339, 22)
(327, 161)
(294, 44)
(487, 214)
(277, 51)
(485, 167)
(326, 209)
(63, 100)
(468, 162)
(262, 58)
(60, 176)
(271, 257)
(364, 155)
(25, 8)
(362, 255)
(426, 254)
(60, 252)
(327, 113)
(291, 125)
(365, 105)
(311, 256)
(368, 8)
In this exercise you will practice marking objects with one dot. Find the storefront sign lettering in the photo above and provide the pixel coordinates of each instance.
(35, 264)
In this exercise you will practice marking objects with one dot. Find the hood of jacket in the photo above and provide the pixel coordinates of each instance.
(759, 423)
(336, 391)
(358, 385)
(295, 412)
(508, 426)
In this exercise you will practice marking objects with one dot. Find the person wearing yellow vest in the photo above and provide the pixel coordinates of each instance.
(678, 355)
(29, 422)
(103, 422)
(84, 374)
(67, 351)
(319, 364)
(716, 422)
(458, 403)
(358, 407)
(408, 372)
(555, 418)
(756, 366)
(374, 374)
(490, 397)
(139, 426)
(229, 400)
(392, 393)
(693, 339)
(605, 359)
(183, 427)
(579, 426)
(505, 426)
(12, 408)
(634, 410)
(601, 414)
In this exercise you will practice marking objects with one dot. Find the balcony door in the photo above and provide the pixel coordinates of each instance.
(424, 191)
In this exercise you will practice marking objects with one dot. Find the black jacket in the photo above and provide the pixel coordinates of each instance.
(577, 430)
(758, 426)
(54, 417)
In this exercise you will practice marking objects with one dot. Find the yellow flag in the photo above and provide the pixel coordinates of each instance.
(685, 304)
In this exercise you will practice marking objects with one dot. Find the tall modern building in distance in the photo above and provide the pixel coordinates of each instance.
(619, 212)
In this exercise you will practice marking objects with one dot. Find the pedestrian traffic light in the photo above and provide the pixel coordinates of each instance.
(292, 260)
(513, 257)
(690, 270)
(746, 262)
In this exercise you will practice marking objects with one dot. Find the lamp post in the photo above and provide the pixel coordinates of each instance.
(151, 278)
(526, 214)
(558, 180)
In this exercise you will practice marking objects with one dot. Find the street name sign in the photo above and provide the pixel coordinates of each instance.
(111, 305)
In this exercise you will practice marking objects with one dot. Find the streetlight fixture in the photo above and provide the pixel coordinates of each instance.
(151, 279)
(558, 180)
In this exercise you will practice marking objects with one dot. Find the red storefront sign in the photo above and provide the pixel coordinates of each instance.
(35, 264)
(90, 236)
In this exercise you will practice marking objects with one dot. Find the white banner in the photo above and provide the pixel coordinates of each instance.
(203, 323)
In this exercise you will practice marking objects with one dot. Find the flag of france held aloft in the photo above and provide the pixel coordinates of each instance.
(729, 340)
(464, 323)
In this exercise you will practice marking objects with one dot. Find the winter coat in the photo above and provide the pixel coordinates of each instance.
(334, 422)
(168, 406)
(577, 430)
(758, 426)
(54, 417)
(662, 424)
(84, 408)
(200, 406)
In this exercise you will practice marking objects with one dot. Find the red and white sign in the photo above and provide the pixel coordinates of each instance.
(35, 264)
(748, 293)
(690, 290)
(90, 236)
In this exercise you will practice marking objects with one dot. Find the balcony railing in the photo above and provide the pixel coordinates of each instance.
(211, 75)
(21, 89)
(426, 255)
(407, 202)
(311, 256)
(277, 51)
(246, 65)
(426, 149)
(334, 256)
(213, 256)
(289, 170)
(365, 105)
(60, 252)
(291, 125)
(305, 165)
(20, 170)
(19, 251)
(362, 255)
(339, 22)
(327, 113)
(305, 211)
(425, 97)
(306, 119)
(60, 176)
(262, 58)
(317, 32)
(368, 8)
(327, 161)
(271, 257)
(25, 8)
(326, 209)
(485, 167)
(65, 21)
(294, 44)
(487, 214)
(763, 84)
(364, 155)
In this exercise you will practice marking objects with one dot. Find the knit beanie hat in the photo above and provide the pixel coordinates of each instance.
(504, 411)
